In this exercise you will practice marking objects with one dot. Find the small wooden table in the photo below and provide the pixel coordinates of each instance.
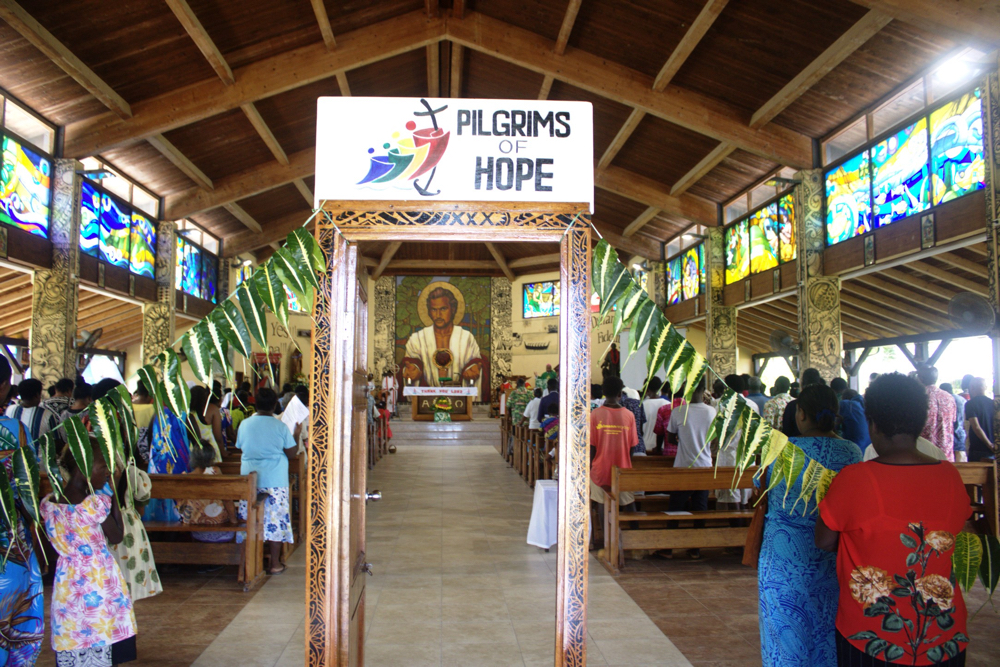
(423, 400)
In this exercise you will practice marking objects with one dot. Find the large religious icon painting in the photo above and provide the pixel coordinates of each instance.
(443, 331)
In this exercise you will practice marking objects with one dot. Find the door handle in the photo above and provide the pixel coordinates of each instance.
(367, 567)
(373, 496)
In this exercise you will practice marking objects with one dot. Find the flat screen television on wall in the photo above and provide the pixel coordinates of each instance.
(541, 299)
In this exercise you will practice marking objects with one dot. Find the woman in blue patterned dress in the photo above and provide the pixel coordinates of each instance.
(798, 582)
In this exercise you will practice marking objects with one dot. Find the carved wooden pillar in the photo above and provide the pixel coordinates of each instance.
(656, 283)
(384, 322)
(819, 296)
(55, 292)
(720, 320)
(158, 317)
(991, 144)
(501, 332)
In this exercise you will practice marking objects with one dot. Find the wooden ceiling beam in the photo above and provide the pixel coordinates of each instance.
(259, 80)
(685, 108)
(323, 20)
(964, 264)
(43, 40)
(458, 8)
(501, 261)
(24, 296)
(537, 260)
(275, 230)
(102, 316)
(979, 19)
(434, 70)
(636, 245)
(196, 31)
(432, 8)
(455, 84)
(950, 277)
(250, 111)
(442, 264)
(858, 34)
(919, 283)
(566, 29)
(866, 303)
(632, 122)
(181, 161)
(871, 320)
(304, 190)
(775, 314)
(342, 83)
(387, 256)
(705, 165)
(872, 280)
(706, 17)
(649, 192)
(543, 92)
(237, 212)
(641, 220)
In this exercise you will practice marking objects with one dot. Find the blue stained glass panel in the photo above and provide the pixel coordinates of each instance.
(143, 246)
(189, 269)
(116, 223)
(848, 200)
(90, 219)
(900, 174)
(957, 148)
(675, 281)
(690, 274)
(24, 188)
(209, 276)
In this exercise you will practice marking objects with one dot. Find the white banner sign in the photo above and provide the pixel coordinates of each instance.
(400, 148)
(440, 391)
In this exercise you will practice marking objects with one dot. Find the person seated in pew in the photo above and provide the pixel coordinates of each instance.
(530, 414)
(267, 445)
(613, 434)
(201, 461)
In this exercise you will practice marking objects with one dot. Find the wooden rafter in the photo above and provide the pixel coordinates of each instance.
(963, 264)
(649, 192)
(342, 83)
(304, 190)
(687, 109)
(641, 220)
(537, 260)
(250, 241)
(432, 8)
(543, 92)
(873, 320)
(870, 24)
(458, 8)
(901, 316)
(635, 245)
(916, 282)
(196, 31)
(259, 80)
(501, 261)
(181, 161)
(906, 309)
(455, 84)
(387, 256)
(442, 264)
(319, 9)
(566, 29)
(975, 18)
(237, 212)
(43, 40)
(903, 293)
(705, 165)
(706, 17)
(627, 128)
(949, 277)
(250, 110)
(434, 69)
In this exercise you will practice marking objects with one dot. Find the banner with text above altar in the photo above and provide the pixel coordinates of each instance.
(452, 150)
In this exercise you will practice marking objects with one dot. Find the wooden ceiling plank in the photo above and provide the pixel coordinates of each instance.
(258, 80)
(196, 31)
(897, 293)
(432, 8)
(705, 165)
(443, 264)
(687, 109)
(621, 138)
(978, 248)
(250, 110)
(636, 245)
(858, 34)
(455, 85)
(43, 40)
(323, 20)
(706, 17)
(387, 255)
(641, 220)
(964, 264)
(250, 241)
(458, 9)
(237, 212)
(949, 277)
(537, 260)
(304, 190)
(870, 302)
(919, 283)
(501, 261)
(434, 69)
(343, 84)
(543, 93)
(566, 29)
(973, 18)
(181, 161)
(649, 192)
(872, 320)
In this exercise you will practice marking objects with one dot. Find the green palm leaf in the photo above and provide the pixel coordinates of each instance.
(271, 291)
(174, 390)
(28, 480)
(233, 328)
(683, 365)
(810, 480)
(292, 276)
(122, 401)
(695, 372)
(771, 450)
(989, 569)
(664, 346)
(253, 311)
(107, 432)
(628, 306)
(966, 559)
(8, 440)
(48, 460)
(78, 442)
(643, 323)
(794, 459)
(756, 433)
(218, 346)
(197, 345)
(825, 479)
(8, 511)
(307, 254)
(609, 276)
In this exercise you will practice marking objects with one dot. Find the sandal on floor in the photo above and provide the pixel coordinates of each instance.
(281, 571)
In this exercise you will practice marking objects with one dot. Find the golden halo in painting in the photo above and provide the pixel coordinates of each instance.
(425, 316)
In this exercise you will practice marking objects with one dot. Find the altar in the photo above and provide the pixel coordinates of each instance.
(456, 401)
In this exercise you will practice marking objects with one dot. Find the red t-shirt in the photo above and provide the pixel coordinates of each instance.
(613, 433)
(897, 525)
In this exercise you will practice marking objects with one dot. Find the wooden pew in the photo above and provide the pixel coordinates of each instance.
(980, 481)
(657, 530)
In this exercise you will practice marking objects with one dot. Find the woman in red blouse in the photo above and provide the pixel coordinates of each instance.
(892, 522)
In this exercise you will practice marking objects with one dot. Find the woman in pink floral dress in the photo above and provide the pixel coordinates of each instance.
(93, 623)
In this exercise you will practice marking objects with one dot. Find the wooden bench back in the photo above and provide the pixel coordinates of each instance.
(653, 462)
(201, 487)
(656, 479)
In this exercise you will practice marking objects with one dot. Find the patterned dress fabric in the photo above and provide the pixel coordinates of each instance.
(98, 656)
(134, 554)
(91, 607)
(22, 607)
(797, 581)
(775, 409)
(168, 454)
(277, 517)
(635, 407)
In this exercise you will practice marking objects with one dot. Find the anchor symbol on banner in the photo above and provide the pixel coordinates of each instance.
(434, 137)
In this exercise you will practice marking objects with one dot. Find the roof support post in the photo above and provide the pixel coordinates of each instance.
(991, 137)
(158, 322)
(55, 291)
(720, 319)
(820, 335)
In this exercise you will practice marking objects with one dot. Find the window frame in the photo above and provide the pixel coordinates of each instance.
(789, 190)
(702, 272)
(96, 184)
(183, 239)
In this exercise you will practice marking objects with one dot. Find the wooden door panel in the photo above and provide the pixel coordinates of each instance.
(358, 480)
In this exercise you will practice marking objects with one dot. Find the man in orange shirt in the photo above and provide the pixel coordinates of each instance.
(612, 435)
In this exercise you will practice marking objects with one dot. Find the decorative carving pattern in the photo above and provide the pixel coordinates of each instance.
(55, 291)
(991, 142)
(657, 283)
(502, 219)
(501, 332)
(819, 295)
(384, 315)
(574, 449)
(720, 320)
(158, 318)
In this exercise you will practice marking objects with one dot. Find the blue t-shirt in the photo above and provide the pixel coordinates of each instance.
(854, 424)
(263, 441)
(547, 400)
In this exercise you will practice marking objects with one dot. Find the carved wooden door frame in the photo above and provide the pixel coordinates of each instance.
(327, 584)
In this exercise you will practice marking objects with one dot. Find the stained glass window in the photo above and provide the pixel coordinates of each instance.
(737, 252)
(116, 222)
(675, 281)
(209, 276)
(763, 230)
(540, 299)
(24, 188)
(848, 200)
(143, 244)
(703, 268)
(786, 227)
(900, 183)
(690, 273)
(189, 268)
(90, 219)
(957, 148)
(243, 273)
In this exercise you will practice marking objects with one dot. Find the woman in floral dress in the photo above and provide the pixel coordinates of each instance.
(93, 623)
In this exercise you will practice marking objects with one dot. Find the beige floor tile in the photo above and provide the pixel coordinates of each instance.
(481, 655)
(629, 652)
(492, 632)
(486, 609)
(379, 654)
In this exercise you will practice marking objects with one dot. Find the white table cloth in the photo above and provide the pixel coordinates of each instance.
(543, 528)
